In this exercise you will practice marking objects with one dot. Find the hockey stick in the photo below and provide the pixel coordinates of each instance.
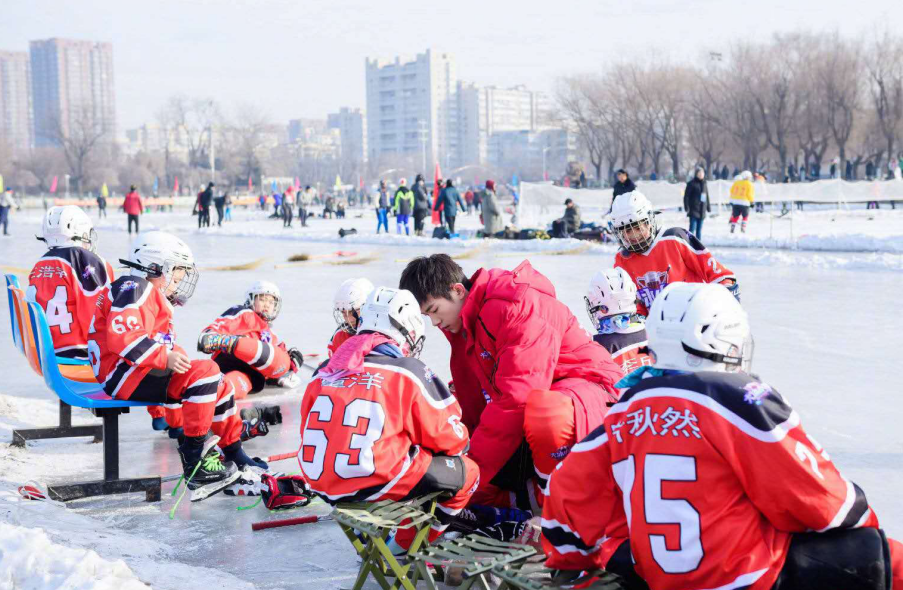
(270, 459)
(247, 266)
(273, 524)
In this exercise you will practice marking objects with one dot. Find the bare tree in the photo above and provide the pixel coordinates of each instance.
(194, 119)
(249, 131)
(839, 72)
(42, 164)
(884, 65)
(578, 100)
(79, 141)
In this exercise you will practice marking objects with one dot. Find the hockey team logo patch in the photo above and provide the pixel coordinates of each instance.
(650, 285)
(265, 336)
(128, 286)
(428, 374)
(756, 393)
(89, 270)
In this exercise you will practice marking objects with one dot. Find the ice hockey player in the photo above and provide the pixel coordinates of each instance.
(611, 305)
(743, 194)
(529, 378)
(245, 347)
(67, 280)
(134, 356)
(346, 309)
(378, 424)
(655, 257)
(704, 476)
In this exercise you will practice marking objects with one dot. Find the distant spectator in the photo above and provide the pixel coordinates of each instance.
(624, 185)
(288, 206)
(206, 199)
(382, 208)
(833, 169)
(305, 200)
(6, 204)
(468, 198)
(449, 201)
(421, 205)
(329, 208)
(570, 223)
(340, 210)
(653, 176)
(227, 201)
(101, 206)
(220, 204)
(725, 173)
(478, 200)
(492, 212)
(696, 201)
(133, 207)
(582, 179)
(403, 207)
(262, 199)
(742, 197)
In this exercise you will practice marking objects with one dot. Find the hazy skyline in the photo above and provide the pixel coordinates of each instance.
(303, 60)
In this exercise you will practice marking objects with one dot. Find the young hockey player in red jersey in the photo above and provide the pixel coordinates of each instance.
(541, 382)
(346, 309)
(611, 304)
(704, 477)
(377, 424)
(245, 347)
(66, 281)
(134, 355)
(656, 257)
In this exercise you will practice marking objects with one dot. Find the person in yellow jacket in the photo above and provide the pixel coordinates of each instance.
(743, 195)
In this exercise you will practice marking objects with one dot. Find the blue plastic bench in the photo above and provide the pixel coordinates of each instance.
(74, 393)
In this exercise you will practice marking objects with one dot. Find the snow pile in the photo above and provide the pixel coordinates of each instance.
(29, 560)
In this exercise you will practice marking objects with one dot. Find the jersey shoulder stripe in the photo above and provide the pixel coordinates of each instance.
(88, 269)
(431, 387)
(235, 311)
(750, 405)
(619, 341)
(681, 235)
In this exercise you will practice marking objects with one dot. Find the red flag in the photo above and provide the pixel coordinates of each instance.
(175, 189)
(250, 184)
(436, 178)
(297, 182)
(53, 185)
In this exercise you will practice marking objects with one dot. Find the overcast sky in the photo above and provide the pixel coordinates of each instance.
(305, 58)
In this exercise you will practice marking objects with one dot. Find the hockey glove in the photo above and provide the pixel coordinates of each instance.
(284, 492)
(734, 289)
(297, 359)
(272, 415)
(253, 428)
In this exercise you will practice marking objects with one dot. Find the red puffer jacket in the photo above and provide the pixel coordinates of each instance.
(517, 337)
(132, 204)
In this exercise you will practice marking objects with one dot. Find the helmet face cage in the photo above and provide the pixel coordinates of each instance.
(415, 347)
(185, 289)
(340, 321)
(89, 241)
(644, 243)
(268, 317)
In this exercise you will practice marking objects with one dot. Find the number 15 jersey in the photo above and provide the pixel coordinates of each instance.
(371, 435)
(708, 474)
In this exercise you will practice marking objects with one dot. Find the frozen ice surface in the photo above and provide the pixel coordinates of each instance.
(825, 323)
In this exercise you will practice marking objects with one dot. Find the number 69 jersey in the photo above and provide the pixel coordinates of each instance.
(372, 435)
(66, 283)
(675, 256)
(132, 334)
(708, 474)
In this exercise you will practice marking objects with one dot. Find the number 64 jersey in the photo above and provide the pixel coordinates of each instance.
(707, 474)
(371, 435)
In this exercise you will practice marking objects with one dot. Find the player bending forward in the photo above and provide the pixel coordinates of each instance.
(656, 257)
(705, 478)
(245, 347)
(611, 305)
(346, 309)
(134, 355)
(377, 424)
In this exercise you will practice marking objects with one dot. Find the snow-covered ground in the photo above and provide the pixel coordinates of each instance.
(821, 304)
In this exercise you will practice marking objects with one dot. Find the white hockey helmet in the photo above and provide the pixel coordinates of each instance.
(699, 327)
(264, 288)
(68, 226)
(395, 313)
(745, 175)
(611, 292)
(157, 254)
(632, 213)
(351, 296)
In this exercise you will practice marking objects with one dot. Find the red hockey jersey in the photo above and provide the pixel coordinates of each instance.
(338, 338)
(241, 320)
(709, 472)
(629, 350)
(372, 435)
(133, 334)
(66, 283)
(675, 256)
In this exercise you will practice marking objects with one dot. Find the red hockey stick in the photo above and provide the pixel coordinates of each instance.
(272, 524)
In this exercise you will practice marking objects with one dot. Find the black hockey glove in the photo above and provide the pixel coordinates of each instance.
(297, 359)
(272, 415)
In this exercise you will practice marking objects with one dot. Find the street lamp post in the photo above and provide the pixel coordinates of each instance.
(544, 150)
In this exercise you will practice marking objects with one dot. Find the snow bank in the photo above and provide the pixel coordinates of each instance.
(29, 560)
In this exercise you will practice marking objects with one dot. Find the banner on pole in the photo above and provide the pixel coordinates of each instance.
(53, 185)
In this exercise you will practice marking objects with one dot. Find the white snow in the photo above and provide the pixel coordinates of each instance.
(825, 323)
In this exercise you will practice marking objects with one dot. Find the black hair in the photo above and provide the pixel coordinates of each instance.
(432, 276)
(449, 182)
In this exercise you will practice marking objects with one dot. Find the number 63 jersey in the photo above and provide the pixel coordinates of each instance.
(371, 435)
(707, 474)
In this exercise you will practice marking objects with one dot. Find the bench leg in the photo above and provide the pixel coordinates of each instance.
(64, 430)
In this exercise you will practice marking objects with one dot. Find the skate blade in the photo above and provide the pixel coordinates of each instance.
(204, 492)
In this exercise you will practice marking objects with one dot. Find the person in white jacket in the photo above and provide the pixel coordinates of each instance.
(6, 204)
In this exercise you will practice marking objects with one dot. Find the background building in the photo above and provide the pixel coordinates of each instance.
(412, 110)
(352, 126)
(15, 99)
(72, 84)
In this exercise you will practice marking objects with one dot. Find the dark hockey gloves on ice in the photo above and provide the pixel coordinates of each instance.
(253, 429)
(284, 492)
(272, 415)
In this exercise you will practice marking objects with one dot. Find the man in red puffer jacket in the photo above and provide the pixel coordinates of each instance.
(133, 207)
(529, 378)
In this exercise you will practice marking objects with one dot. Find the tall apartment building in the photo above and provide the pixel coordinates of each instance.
(352, 124)
(487, 111)
(412, 110)
(72, 85)
(15, 99)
